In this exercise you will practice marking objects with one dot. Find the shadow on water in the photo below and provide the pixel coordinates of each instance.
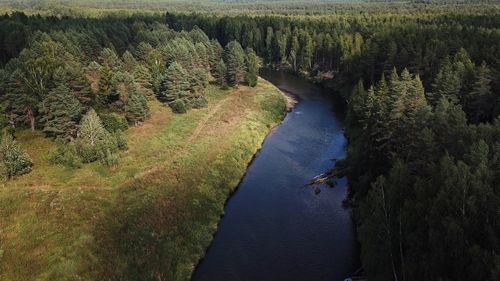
(275, 227)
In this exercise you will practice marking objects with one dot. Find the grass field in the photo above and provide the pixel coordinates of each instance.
(149, 218)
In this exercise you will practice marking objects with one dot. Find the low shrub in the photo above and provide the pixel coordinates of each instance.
(66, 155)
(178, 106)
(114, 122)
(199, 102)
(13, 161)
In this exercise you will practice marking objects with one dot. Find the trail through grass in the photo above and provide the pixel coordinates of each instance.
(149, 218)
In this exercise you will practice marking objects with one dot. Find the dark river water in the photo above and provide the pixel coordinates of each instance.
(275, 227)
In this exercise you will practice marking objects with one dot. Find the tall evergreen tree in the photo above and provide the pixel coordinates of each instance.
(481, 100)
(220, 72)
(175, 84)
(234, 57)
(61, 112)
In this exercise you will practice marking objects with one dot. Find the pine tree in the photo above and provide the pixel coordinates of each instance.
(129, 62)
(357, 101)
(215, 51)
(234, 57)
(220, 72)
(269, 45)
(143, 78)
(108, 58)
(175, 84)
(61, 112)
(198, 81)
(306, 53)
(294, 52)
(137, 108)
(480, 103)
(446, 85)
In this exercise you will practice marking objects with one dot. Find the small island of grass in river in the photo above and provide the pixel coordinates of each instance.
(153, 213)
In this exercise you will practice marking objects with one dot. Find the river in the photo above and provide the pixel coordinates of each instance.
(276, 227)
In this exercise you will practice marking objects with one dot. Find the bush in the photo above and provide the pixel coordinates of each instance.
(199, 102)
(13, 161)
(88, 153)
(109, 158)
(251, 79)
(120, 141)
(178, 106)
(66, 155)
(114, 122)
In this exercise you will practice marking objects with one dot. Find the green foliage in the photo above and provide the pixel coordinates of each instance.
(137, 108)
(66, 155)
(114, 122)
(424, 151)
(220, 72)
(62, 111)
(182, 90)
(253, 66)
(120, 140)
(13, 161)
(234, 57)
(94, 142)
(199, 102)
(178, 106)
(421, 174)
(175, 84)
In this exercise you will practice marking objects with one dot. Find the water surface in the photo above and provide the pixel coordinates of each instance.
(275, 227)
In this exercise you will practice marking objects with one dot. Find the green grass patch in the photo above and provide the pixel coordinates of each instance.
(150, 217)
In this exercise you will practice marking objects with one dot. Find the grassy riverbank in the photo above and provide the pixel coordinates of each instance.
(149, 218)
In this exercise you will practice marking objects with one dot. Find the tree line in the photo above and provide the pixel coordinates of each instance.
(67, 78)
(421, 87)
(423, 100)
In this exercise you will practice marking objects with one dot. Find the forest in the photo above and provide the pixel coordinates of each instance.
(56, 81)
(420, 81)
(423, 98)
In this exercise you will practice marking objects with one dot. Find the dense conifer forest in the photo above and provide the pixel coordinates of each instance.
(423, 96)
(420, 81)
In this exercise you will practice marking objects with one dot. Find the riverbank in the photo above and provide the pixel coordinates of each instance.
(273, 216)
(152, 215)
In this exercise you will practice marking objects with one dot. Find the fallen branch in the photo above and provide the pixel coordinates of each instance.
(325, 177)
